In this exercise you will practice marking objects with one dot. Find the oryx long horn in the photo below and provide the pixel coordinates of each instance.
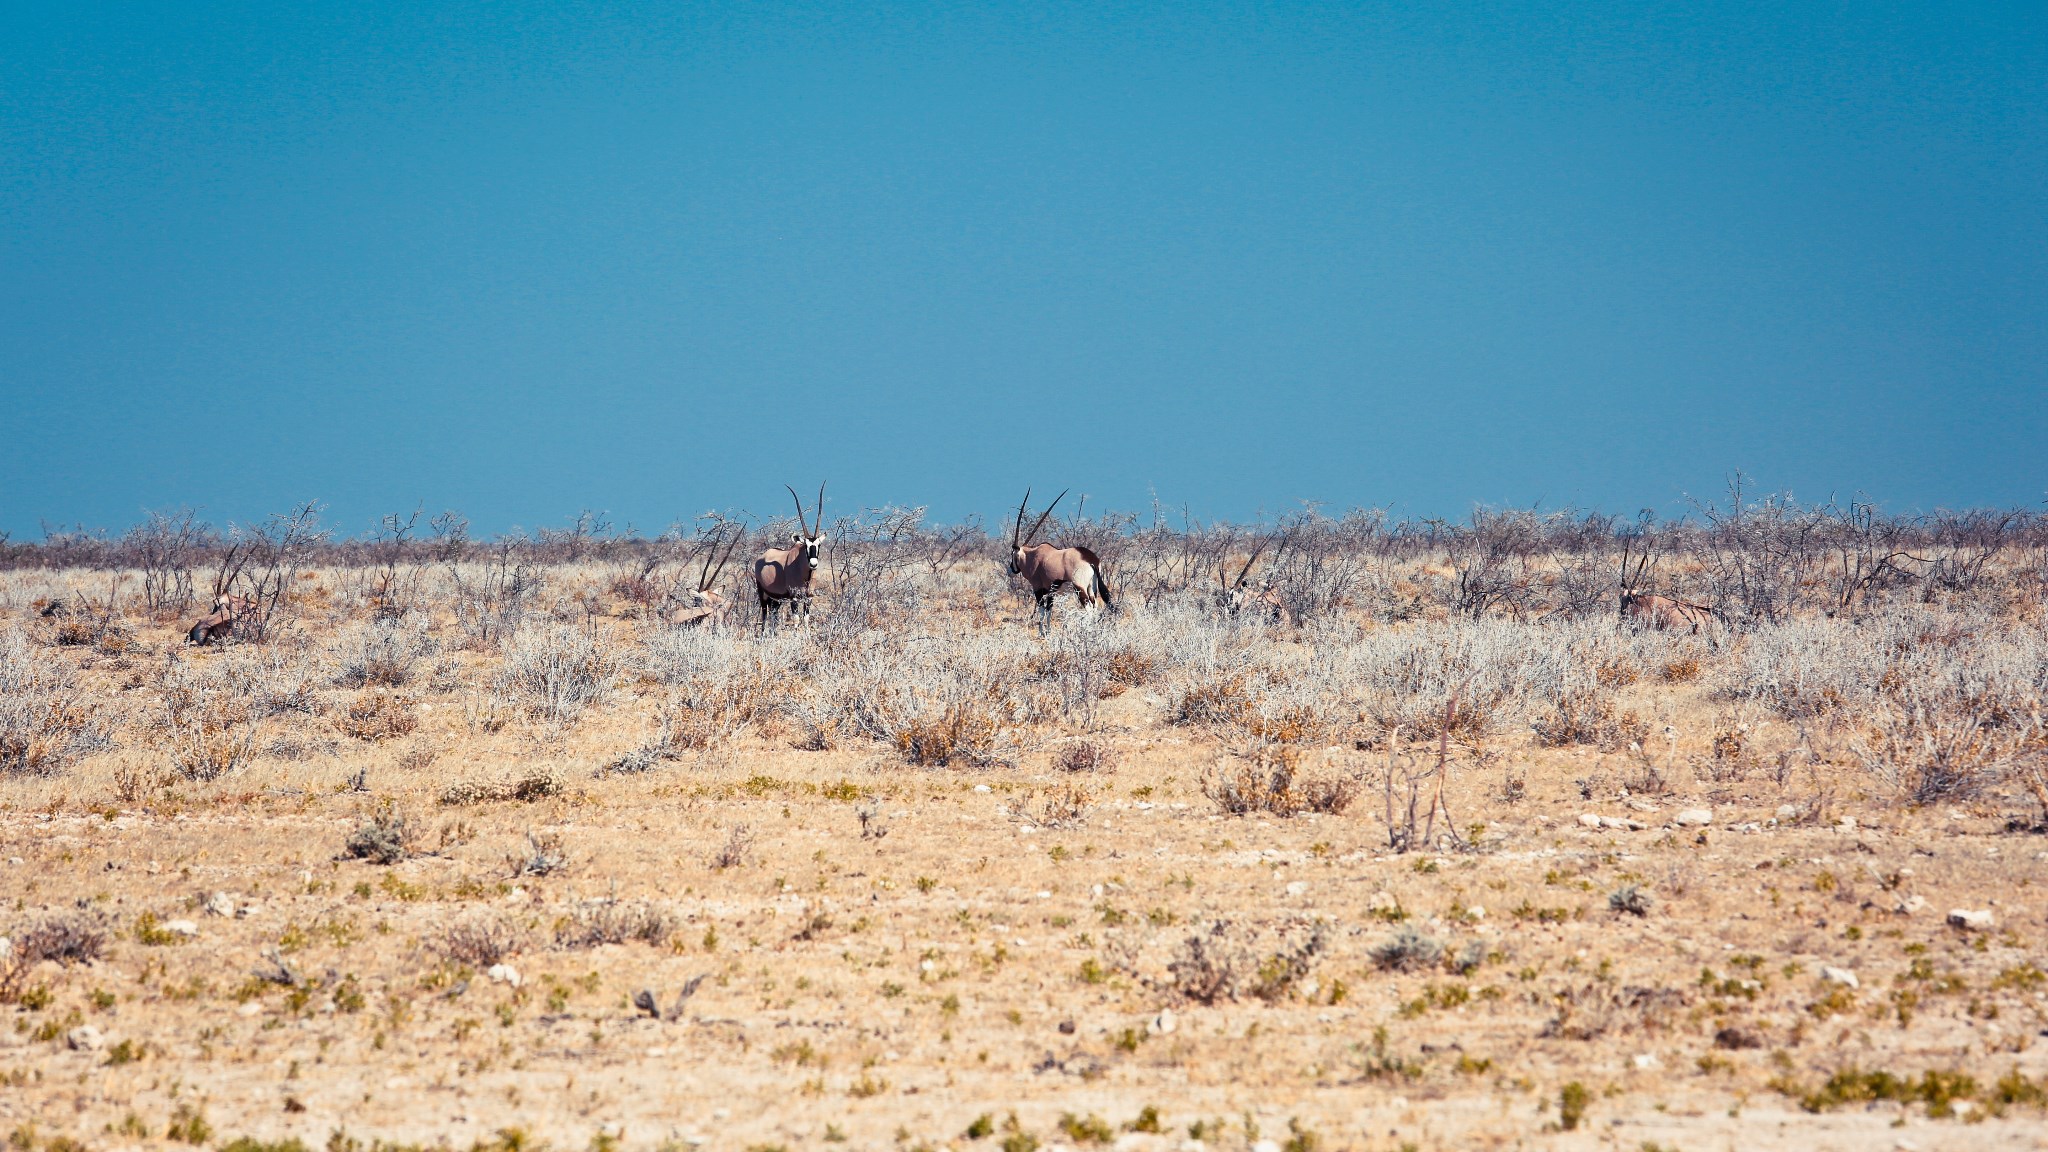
(1247, 569)
(1017, 529)
(1048, 511)
(801, 526)
(710, 554)
(819, 527)
(739, 534)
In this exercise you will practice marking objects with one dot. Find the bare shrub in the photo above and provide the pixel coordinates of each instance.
(1591, 1011)
(718, 683)
(1065, 807)
(480, 942)
(527, 787)
(1229, 962)
(739, 844)
(612, 921)
(77, 938)
(385, 838)
(1629, 899)
(377, 716)
(558, 672)
(1408, 950)
(938, 699)
(385, 654)
(164, 546)
(46, 721)
(1271, 780)
(1589, 717)
(1085, 756)
(544, 856)
(490, 594)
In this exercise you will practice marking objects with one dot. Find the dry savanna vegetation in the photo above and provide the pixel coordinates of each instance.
(1339, 833)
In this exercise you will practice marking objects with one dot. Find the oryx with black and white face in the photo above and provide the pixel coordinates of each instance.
(1239, 596)
(1049, 568)
(1654, 611)
(782, 576)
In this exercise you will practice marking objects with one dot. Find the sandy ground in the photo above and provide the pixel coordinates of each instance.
(886, 990)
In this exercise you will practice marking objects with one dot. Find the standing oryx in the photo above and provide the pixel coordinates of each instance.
(1650, 610)
(783, 575)
(1048, 568)
(709, 607)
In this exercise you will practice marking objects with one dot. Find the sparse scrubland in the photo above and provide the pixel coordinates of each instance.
(461, 843)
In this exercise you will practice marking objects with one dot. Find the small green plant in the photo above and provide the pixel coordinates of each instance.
(188, 1125)
(1300, 1138)
(1147, 1121)
(1089, 1129)
(251, 1144)
(150, 931)
(1571, 1105)
(982, 1127)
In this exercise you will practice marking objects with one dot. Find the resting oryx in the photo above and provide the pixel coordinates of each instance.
(783, 575)
(221, 621)
(1048, 568)
(709, 607)
(1650, 610)
(1238, 597)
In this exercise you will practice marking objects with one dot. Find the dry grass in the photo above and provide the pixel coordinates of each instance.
(920, 875)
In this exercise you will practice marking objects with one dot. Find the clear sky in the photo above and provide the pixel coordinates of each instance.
(524, 258)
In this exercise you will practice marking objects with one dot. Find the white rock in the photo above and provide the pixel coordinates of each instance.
(503, 974)
(1842, 976)
(1787, 812)
(6, 948)
(981, 788)
(1265, 1146)
(220, 904)
(1970, 920)
(252, 1008)
(1694, 818)
(85, 1038)
(1297, 888)
(1846, 824)
(185, 928)
(1910, 905)
(1645, 1061)
(1589, 820)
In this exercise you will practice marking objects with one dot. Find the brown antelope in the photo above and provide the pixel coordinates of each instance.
(709, 607)
(1049, 568)
(1654, 611)
(220, 622)
(782, 576)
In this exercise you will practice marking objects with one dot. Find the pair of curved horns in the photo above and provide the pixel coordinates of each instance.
(1254, 559)
(1017, 537)
(810, 531)
(710, 575)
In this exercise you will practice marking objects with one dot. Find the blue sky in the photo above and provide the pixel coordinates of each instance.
(521, 259)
